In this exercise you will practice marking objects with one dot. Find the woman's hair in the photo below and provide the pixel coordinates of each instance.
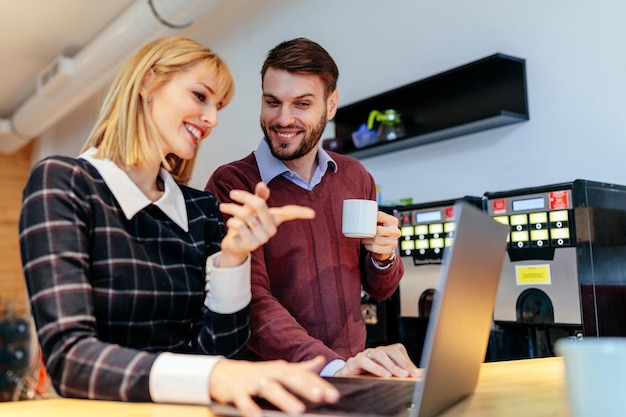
(303, 56)
(124, 126)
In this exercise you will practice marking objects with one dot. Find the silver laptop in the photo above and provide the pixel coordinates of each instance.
(456, 337)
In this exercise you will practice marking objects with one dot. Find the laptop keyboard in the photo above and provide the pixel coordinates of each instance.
(362, 397)
(367, 396)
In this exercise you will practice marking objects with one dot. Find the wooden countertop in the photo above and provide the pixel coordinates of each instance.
(531, 387)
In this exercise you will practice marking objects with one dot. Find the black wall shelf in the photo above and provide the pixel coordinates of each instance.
(483, 94)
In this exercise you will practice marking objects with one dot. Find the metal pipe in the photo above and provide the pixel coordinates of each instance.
(97, 63)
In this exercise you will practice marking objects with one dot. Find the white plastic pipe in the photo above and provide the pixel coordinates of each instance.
(97, 63)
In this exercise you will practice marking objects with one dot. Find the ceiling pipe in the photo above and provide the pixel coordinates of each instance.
(96, 64)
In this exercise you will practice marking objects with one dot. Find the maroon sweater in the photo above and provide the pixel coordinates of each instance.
(306, 281)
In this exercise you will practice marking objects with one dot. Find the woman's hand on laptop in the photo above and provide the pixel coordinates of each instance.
(237, 381)
(385, 361)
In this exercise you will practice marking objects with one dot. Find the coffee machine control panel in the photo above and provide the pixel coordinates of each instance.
(540, 220)
(426, 232)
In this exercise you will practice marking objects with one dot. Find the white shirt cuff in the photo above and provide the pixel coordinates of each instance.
(382, 268)
(332, 367)
(227, 289)
(180, 378)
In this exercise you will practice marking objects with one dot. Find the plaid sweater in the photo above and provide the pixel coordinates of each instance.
(108, 294)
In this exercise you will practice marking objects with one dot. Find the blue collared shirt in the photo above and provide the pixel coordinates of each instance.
(271, 167)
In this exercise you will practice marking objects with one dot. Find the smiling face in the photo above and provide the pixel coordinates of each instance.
(294, 113)
(184, 109)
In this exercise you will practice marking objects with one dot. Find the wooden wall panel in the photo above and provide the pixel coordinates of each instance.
(13, 175)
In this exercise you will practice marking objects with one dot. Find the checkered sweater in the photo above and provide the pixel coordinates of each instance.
(108, 294)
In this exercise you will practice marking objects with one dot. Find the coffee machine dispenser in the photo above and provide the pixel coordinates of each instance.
(564, 272)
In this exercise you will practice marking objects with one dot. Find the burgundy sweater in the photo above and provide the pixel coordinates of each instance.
(306, 281)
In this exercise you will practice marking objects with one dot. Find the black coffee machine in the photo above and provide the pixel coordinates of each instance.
(426, 231)
(564, 273)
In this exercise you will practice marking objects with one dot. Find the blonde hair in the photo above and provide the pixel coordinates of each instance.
(124, 126)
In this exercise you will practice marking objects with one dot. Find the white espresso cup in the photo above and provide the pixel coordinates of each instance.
(595, 370)
(359, 218)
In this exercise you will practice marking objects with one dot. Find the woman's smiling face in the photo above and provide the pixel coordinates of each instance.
(184, 110)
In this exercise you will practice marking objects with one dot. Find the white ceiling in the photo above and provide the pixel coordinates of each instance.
(33, 32)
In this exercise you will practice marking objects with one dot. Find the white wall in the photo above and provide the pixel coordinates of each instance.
(575, 62)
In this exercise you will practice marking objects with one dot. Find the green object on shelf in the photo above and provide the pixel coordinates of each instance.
(390, 127)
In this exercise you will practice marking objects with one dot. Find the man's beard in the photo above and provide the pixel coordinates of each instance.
(309, 142)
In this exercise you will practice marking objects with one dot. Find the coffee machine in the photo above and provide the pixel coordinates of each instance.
(564, 272)
(427, 229)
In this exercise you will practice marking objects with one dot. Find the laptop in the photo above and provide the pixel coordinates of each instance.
(456, 338)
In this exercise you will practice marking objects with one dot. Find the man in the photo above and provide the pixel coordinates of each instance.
(307, 281)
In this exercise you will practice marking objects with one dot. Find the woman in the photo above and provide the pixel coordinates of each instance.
(138, 289)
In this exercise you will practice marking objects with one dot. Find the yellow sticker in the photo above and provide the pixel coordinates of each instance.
(532, 274)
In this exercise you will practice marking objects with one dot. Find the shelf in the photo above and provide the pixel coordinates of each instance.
(504, 118)
(483, 94)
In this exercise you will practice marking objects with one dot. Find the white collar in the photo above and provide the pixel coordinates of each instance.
(130, 197)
